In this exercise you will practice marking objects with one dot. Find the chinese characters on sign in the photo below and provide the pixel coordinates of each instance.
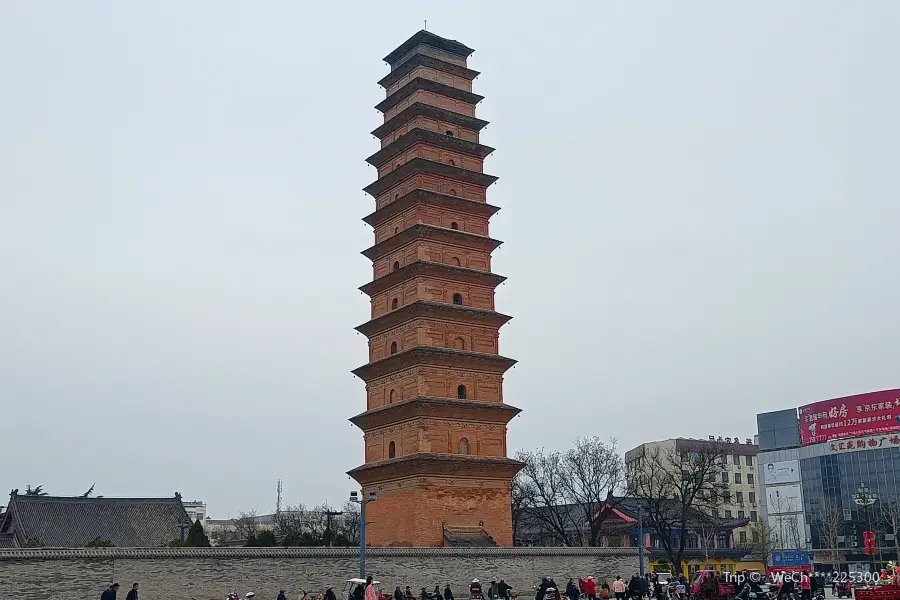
(883, 441)
(865, 414)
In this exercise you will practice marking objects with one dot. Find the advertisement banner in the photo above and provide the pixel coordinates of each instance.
(851, 416)
(787, 471)
(784, 499)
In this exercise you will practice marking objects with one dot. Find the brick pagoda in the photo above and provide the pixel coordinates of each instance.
(435, 421)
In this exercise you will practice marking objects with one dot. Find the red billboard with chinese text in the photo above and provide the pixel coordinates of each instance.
(852, 416)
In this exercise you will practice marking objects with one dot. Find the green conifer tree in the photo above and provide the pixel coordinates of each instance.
(196, 537)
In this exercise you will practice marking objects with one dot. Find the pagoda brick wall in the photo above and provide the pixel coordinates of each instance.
(434, 377)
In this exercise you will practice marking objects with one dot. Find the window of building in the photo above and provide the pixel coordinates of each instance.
(396, 265)
(392, 396)
(751, 496)
(454, 261)
(724, 476)
(739, 496)
(750, 478)
(450, 133)
(459, 343)
(461, 392)
(396, 230)
(396, 196)
(451, 162)
(737, 478)
(753, 516)
(457, 298)
(454, 225)
(398, 166)
(736, 460)
(394, 304)
(742, 535)
(726, 497)
(749, 461)
(452, 192)
(463, 446)
(392, 450)
(393, 347)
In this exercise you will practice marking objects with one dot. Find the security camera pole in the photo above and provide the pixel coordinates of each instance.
(355, 497)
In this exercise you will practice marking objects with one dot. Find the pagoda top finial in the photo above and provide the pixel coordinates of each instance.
(427, 38)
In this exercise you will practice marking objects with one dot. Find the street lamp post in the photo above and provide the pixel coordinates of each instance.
(864, 497)
(355, 497)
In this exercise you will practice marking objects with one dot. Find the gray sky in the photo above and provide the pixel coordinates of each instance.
(700, 210)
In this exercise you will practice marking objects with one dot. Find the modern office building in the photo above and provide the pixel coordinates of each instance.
(829, 472)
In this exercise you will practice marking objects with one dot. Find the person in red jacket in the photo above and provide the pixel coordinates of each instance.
(590, 588)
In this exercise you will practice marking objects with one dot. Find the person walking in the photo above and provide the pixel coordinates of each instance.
(110, 592)
(590, 588)
(398, 593)
(619, 588)
(370, 589)
(572, 592)
(281, 595)
(448, 593)
(132, 593)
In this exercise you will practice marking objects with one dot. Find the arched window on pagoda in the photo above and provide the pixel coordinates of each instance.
(461, 392)
(457, 298)
(396, 265)
(392, 450)
(392, 396)
(454, 261)
(463, 446)
(454, 225)
(459, 343)
(393, 347)
(394, 304)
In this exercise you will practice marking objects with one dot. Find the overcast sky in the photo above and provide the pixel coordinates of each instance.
(700, 216)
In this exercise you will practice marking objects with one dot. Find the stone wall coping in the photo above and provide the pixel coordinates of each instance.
(20, 554)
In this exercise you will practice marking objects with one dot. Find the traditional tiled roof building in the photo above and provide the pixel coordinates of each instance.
(66, 522)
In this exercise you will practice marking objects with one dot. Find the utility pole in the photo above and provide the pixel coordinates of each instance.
(641, 540)
(328, 515)
(355, 497)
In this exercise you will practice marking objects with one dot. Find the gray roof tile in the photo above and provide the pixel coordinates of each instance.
(63, 522)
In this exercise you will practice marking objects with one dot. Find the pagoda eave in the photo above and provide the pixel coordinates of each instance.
(432, 138)
(420, 109)
(421, 231)
(424, 60)
(424, 268)
(495, 413)
(420, 84)
(434, 356)
(427, 38)
(429, 309)
(435, 464)
(426, 197)
(430, 167)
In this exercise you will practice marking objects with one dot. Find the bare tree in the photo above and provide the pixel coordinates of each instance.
(546, 513)
(763, 540)
(350, 522)
(289, 522)
(522, 498)
(592, 472)
(890, 518)
(830, 523)
(706, 528)
(675, 485)
(246, 525)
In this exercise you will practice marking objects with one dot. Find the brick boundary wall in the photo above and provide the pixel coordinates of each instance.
(211, 573)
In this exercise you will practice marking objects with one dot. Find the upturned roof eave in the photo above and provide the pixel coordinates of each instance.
(426, 136)
(424, 230)
(420, 309)
(423, 165)
(417, 109)
(427, 463)
(433, 355)
(424, 60)
(422, 267)
(420, 196)
(426, 85)
(420, 406)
